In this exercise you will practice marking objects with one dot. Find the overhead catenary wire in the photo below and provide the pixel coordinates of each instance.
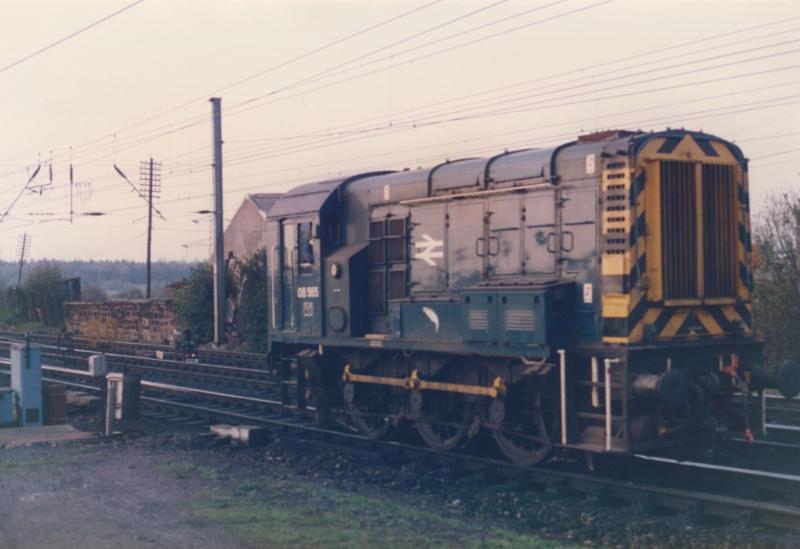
(67, 37)
(138, 192)
(272, 68)
(754, 27)
(741, 110)
(204, 117)
(416, 123)
(620, 60)
(331, 71)
(371, 167)
(399, 124)
(21, 192)
(245, 105)
(232, 110)
(541, 105)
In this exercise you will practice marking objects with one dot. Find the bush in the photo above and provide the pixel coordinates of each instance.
(194, 302)
(12, 309)
(93, 293)
(131, 293)
(46, 294)
(253, 303)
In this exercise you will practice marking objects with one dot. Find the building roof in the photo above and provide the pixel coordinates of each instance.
(264, 201)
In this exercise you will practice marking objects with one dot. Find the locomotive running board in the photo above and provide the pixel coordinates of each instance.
(414, 383)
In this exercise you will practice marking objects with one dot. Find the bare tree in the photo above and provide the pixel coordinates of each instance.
(776, 264)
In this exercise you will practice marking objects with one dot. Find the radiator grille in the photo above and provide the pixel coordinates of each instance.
(478, 319)
(520, 320)
(679, 230)
(682, 267)
(719, 225)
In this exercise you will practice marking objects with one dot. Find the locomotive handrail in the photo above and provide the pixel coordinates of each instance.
(520, 188)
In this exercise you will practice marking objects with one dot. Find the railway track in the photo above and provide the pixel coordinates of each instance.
(206, 356)
(779, 449)
(253, 379)
(763, 497)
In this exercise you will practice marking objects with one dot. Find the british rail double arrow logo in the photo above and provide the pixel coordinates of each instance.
(427, 250)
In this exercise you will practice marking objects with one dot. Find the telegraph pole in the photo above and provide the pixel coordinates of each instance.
(150, 182)
(24, 247)
(149, 226)
(219, 252)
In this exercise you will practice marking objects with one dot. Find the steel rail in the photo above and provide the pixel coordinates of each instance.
(249, 371)
(236, 356)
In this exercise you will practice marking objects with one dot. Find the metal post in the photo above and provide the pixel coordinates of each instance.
(111, 401)
(149, 223)
(219, 252)
(608, 363)
(595, 383)
(562, 354)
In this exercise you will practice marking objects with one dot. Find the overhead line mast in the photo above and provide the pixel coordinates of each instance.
(219, 243)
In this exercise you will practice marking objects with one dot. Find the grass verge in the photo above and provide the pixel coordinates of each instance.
(303, 514)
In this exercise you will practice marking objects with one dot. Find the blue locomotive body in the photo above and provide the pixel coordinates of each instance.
(584, 296)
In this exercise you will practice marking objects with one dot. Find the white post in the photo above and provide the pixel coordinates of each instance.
(608, 363)
(562, 354)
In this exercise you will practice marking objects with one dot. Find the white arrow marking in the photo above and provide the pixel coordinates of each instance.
(432, 316)
(426, 250)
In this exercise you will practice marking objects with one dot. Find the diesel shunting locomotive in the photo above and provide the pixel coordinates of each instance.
(594, 296)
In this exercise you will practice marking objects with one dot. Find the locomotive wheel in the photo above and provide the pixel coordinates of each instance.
(445, 418)
(523, 435)
(373, 409)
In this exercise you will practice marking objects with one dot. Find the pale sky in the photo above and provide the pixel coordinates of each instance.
(443, 79)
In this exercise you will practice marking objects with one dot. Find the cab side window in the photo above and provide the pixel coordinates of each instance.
(305, 247)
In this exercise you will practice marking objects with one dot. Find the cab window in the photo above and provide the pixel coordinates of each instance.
(305, 247)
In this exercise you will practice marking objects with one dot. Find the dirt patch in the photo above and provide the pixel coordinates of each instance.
(170, 487)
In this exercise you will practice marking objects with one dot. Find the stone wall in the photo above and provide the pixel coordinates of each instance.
(140, 320)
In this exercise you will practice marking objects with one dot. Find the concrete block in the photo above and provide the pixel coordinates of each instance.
(250, 435)
(79, 398)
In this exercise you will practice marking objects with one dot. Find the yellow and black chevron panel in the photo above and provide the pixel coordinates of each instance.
(675, 261)
(653, 323)
(714, 321)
